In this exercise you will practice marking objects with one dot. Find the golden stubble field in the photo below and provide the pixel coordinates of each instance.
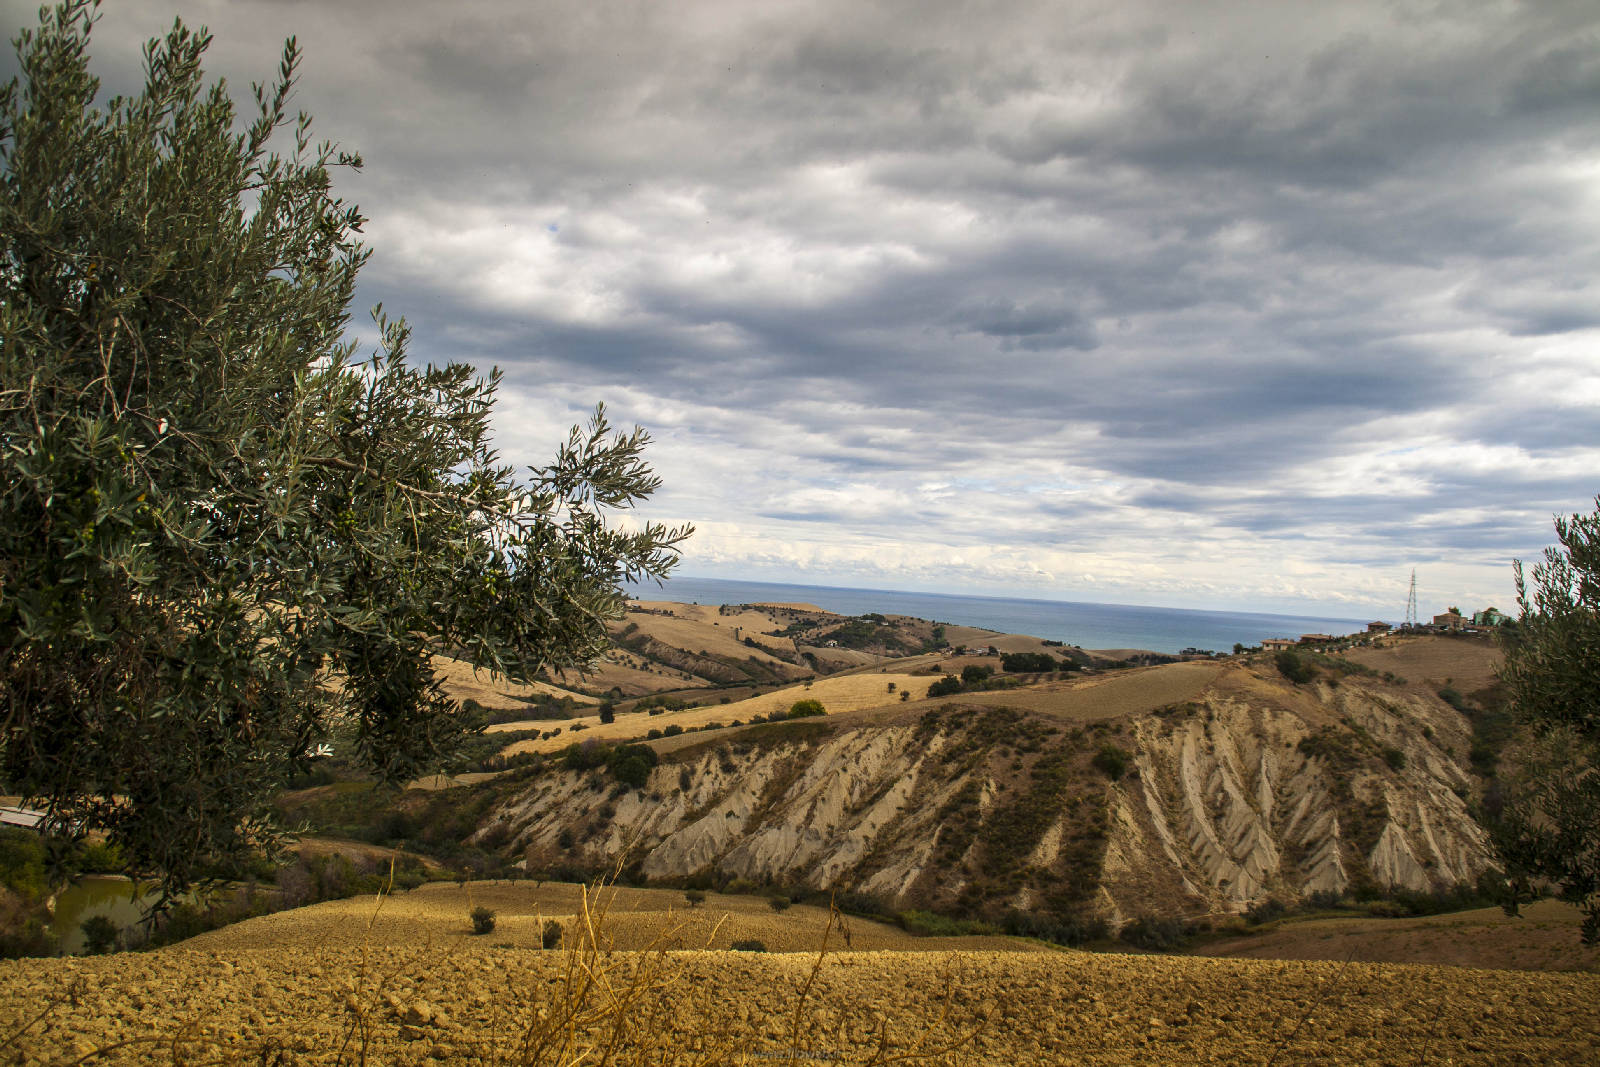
(347, 982)
(839, 693)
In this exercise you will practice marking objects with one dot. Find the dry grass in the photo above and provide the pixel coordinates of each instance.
(841, 693)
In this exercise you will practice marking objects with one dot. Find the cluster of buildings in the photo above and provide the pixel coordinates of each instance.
(1451, 621)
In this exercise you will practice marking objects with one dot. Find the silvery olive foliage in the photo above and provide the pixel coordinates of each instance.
(223, 531)
(1550, 825)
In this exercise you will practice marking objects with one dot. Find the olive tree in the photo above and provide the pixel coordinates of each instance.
(225, 531)
(1549, 827)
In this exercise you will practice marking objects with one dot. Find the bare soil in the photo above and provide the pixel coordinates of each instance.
(334, 984)
(1544, 937)
(1464, 663)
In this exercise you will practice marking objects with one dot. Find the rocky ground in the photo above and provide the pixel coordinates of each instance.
(343, 991)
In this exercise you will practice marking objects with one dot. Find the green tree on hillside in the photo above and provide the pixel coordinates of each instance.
(211, 507)
(1550, 824)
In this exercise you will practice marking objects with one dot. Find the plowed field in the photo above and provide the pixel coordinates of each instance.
(321, 987)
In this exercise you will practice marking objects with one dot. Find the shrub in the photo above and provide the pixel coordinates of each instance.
(803, 708)
(1395, 758)
(1325, 899)
(482, 920)
(857, 903)
(608, 712)
(949, 685)
(1157, 934)
(1112, 760)
(1265, 911)
(550, 936)
(778, 903)
(1028, 662)
(1294, 667)
(631, 764)
(672, 731)
(972, 674)
(1070, 930)
(695, 897)
(22, 864)
(749, 945)
(100, 858)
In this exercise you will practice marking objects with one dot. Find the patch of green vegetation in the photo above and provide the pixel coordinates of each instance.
(931, 924)
(869, 632)
(1111, 760)
(1293, 666)
(1158, 933)
(1034, 663)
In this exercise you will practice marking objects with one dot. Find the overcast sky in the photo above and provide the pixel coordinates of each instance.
(1242, 305)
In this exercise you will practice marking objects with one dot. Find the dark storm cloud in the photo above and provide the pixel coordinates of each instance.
(1138, 295)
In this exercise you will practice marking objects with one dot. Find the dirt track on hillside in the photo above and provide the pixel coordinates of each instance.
(319, 986)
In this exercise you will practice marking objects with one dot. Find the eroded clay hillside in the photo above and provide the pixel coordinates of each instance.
(1184, 789)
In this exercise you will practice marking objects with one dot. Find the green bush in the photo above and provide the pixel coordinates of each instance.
(631, 764)
(973, 674)
(1157, 934)
(1113, 761)
(1028, 663)
(1294, 667)
(949, 685)
(778, 903)
(1070, 930)
(482, 920)
(550, 936)
(695, 897)
(99, 857)
(749, 945)
(1265, 912)
(22, 864)
(1395, 758)
(930, 924)
(803, 708)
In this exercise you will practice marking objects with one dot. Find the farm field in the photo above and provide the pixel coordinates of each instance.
(331, 984)
(1544, 937)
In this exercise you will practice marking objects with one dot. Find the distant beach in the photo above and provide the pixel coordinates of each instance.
(1086, 625)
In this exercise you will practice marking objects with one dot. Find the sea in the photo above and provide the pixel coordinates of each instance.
(1169, 630)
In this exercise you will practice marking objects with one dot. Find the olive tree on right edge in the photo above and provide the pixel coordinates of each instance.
(1549, 828)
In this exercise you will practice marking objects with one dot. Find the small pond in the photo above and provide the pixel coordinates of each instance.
(96, 894)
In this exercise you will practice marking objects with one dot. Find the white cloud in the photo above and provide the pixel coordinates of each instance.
(1194, 304)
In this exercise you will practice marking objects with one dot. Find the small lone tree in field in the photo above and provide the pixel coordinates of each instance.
(482, 920)
(802, 708)
(695, 897)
